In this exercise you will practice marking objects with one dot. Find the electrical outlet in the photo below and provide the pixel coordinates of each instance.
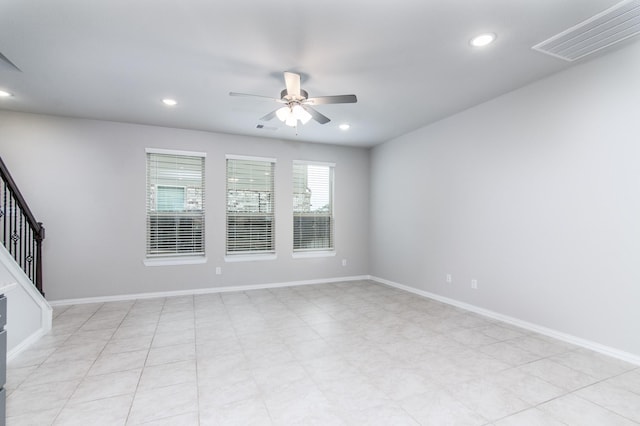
(344, 262)
(474, 284)
(218, 270)
(449, 278)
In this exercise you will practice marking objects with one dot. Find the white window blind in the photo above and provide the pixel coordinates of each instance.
(312, 206)
(175, 204)
(250, 206)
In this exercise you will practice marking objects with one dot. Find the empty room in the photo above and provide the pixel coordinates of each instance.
(320, 213)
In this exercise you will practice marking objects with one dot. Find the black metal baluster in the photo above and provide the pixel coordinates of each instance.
(14, 233)
(33, 254)
(39, 238)
(19, 241)
(4, 210)
(33, 259)
(27, 250)
(11, 217)
(23, 241)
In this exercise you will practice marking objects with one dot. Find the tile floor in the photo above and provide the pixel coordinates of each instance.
(354, 353)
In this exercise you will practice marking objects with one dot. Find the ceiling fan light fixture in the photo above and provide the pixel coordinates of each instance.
(483, 40)
(301, 114)
(282, 113)
(291, 114)
(344, 126)
(291, 121)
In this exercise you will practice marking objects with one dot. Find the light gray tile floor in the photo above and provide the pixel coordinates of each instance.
(353, 353)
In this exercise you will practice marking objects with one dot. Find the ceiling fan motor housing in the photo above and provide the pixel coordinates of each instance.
(285, 96)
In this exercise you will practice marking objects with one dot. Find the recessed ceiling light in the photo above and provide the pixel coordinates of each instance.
(344, 126)
(5, 94)
(483, 40)
(169, 102)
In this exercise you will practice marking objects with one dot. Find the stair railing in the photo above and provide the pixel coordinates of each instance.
(21, 233)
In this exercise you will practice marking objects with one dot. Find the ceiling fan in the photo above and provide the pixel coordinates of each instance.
(298, 104)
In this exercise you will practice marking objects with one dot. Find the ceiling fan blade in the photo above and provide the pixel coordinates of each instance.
(269, 116)
(339, 99)
(8, 62)
(322, 119)
(292, 83)
(247, 95)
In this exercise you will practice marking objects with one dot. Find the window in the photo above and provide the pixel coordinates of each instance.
(250, 205)
(175, 203)
(312, 206)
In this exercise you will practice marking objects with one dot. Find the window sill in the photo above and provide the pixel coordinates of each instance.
(169, 261)
(308, 254)
(249, 257)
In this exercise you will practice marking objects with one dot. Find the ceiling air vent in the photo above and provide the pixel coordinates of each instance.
(262, 126)
(602, 30)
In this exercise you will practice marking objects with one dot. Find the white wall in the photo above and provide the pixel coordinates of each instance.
(85, 180)
(535, 194)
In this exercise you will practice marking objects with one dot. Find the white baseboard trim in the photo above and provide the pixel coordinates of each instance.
(191, 292)
(588, 344)
(26, 343)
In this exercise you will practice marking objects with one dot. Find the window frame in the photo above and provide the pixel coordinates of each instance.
(174, 258)
(250, 255)
(315, 251)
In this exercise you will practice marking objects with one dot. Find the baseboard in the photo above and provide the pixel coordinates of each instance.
(594, 346)
(191, 292)
(26, 343)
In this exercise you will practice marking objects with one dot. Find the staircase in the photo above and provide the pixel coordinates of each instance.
(21, 233)
(28, 313)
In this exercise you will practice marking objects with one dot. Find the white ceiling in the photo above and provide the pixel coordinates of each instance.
(408, 61)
